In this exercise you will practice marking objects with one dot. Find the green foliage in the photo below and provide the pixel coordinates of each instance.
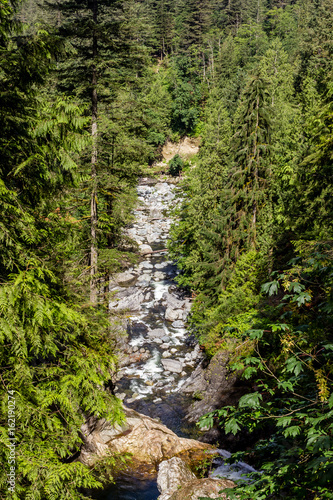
(176, 165)
(49, 340)
(290, 365)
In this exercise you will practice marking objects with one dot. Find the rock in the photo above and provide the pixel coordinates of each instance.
(147, 440)
(154, 237)
(144, 277)
(217, 386)
(172, 365)
(121, 395)
(176, 481)
(158, 332)
(173, 473)
(173, 314)
(166, 354)
(200, 488)
(159, 276)
(173, 302)
(161, 265)
(130, 299)
(149, 296)
(178, 324)
(145, 249)
(162, 187)
(124, 278)
(155, 213)
(146, 265)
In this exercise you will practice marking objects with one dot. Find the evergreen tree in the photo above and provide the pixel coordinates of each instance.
(47, 344)
(251, 145)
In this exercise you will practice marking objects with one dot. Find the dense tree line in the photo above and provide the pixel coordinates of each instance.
(90, 91)
(255, 237)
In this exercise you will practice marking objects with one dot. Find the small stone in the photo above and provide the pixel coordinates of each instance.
(142, 350)
(146, 265)
(121, 395)
(145, 249)
(159, 276)
(166, 354)
(178, 324)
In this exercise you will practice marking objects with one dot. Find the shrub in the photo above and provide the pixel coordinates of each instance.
(176, 165)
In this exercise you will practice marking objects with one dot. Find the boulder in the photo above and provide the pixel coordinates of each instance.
(131, 299)
(173, 314)
(124, 278)
(175, 481)
(172, 365)
(178, 324)
(216, 385)
(146, 265)
(157, 332)
(200, 488)
(148, 441)
(172, 302)
(159, 276)
(162, 187)
(171, 474)
(144, 278)
(145, 249)
(154, 237)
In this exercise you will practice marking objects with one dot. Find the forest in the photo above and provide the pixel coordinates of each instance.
(90, 92)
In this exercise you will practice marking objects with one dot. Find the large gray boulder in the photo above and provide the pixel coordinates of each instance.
(172, 302)
(124, 278)
(172, 365)
(173, 314)
(130, 298)
(156, 333)
(214, 385)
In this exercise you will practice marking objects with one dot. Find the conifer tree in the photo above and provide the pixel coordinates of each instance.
(251, 145)
(47, 344)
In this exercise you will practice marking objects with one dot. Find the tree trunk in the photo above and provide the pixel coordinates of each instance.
(93, 206)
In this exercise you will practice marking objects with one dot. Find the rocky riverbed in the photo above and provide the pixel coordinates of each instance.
(161, 366)
(157, 353)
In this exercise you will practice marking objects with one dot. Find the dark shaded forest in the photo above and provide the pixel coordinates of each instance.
(90, 92)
